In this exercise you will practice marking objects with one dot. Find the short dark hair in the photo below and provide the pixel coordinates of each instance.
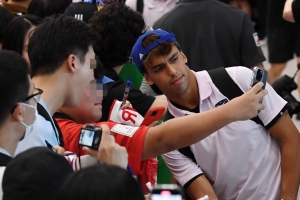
(118, 27)
(105, 181)
(54, 40)
(16, 31)
(5, 18)
(14, 81)
(45, 8)
(36, 173)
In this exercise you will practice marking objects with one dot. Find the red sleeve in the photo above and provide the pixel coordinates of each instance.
(134, 145)
(71, 132)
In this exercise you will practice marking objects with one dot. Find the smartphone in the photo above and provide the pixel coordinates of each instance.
(153, 115)
(90, 136)
(166, 192)
(259, 75)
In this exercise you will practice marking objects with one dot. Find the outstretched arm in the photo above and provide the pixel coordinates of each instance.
(184, 131)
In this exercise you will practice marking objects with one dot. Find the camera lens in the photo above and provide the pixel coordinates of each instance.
(259, 75)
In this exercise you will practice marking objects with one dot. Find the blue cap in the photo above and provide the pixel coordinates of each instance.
(139, 53)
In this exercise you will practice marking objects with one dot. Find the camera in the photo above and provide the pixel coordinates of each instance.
(90, 136)
(284, 86)
(166, 192)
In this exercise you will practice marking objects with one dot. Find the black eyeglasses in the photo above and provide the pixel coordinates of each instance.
(37, 95)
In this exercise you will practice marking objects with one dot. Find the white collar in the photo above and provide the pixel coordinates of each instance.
(4, 152)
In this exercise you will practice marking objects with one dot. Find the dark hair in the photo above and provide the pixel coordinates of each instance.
(5, 18)
(45, 8)
(16, 30)
(36, 173)
(86, 9)
(54, 40)
(161, 50)
(13, 80)
(118, 27)
(100, 181)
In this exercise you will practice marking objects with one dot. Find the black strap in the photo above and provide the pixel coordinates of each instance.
(62, 116)
(140, 6)
(227, 86)
(43, 112)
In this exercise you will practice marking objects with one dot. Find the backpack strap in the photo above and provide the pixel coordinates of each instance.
(62, 116)
(140, 6)
(185, 150)
(43, 112)
(227, 86)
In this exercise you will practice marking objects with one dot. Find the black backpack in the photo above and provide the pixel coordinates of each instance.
(140, 6)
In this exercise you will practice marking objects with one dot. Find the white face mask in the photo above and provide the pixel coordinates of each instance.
(30, 127)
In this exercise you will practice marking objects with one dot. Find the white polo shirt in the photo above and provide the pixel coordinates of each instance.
(153, 9)
(241, 160)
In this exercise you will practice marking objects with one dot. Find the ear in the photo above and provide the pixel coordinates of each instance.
(18, 112)
(148, 79)
(71, 64)
(184, 57)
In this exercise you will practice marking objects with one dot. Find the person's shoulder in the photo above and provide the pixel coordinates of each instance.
(131, 4)
(116, 85)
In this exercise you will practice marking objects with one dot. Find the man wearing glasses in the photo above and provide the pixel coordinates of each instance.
(17, 104)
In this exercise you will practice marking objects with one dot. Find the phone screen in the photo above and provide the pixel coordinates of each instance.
(86, 137)
(163, 197)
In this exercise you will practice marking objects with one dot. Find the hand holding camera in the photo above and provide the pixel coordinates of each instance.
(94, 138)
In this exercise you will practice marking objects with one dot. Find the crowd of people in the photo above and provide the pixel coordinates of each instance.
(60, 65)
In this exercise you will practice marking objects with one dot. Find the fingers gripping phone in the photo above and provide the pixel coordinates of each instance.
(90, 136)
(257, 76)
(153, 115)
(166, 192)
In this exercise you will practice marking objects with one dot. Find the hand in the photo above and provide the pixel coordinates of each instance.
(109, 151)
(147, 196)
(126, 105)
(249, 104)
(60, 150)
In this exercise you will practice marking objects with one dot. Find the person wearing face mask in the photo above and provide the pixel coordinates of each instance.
(18, 107)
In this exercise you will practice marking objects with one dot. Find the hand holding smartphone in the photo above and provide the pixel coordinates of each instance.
(257, 76)
(153, 115)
